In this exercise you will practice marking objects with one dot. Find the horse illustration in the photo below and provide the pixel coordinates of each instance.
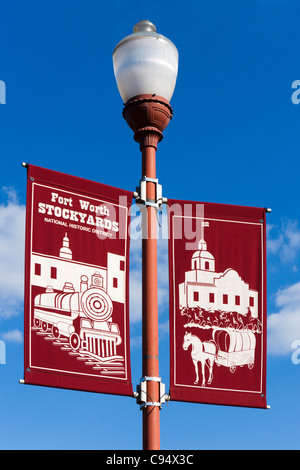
(205, 352)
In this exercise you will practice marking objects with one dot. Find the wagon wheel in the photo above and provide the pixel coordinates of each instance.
(232, 367)
(55, 332)
(74, 341)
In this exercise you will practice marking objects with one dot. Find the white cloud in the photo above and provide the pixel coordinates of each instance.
(286, 242)
(136, 278)
(284, 326)
(163, 328)
(13, 336)
(12, 238)
(136, 341)
(283, 244)
(135, 281)
(289, 296)
(136, 273)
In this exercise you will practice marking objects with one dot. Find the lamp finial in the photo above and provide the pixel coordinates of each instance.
(144, 25)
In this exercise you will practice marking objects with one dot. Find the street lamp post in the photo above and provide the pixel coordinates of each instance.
(145, 66)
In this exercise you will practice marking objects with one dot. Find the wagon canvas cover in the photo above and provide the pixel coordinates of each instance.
(217, 275)
(76, 330)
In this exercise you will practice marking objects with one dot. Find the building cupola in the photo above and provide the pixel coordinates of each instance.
(65, 251)
(202, 259)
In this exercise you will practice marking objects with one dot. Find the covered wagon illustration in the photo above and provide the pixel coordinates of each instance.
(234, 348)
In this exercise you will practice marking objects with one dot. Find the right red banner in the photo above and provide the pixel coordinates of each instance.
(217, 273)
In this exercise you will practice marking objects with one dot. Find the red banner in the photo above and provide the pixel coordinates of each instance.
(76, 284)
(217, 272)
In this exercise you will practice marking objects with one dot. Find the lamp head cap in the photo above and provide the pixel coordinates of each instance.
(144, 25)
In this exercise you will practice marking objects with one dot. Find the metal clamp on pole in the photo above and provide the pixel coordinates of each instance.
(142, 397)
(141, 195)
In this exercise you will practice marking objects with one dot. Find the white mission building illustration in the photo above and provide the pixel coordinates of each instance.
(63, 271)
(205, 288)
(224, 304)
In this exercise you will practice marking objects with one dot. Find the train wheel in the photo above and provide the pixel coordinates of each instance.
(44, 326)
(36, 323)
(74, 341)
(251, 364)
(232, 367)
(55, 332)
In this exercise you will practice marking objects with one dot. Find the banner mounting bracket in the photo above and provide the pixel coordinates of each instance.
(141, 195)
(143, 398)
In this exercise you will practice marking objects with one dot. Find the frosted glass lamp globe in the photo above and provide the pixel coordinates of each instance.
(145, 63)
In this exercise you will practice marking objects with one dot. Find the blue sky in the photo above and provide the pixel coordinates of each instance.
(234, 139)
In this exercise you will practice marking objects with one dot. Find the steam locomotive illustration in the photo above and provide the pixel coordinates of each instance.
(84, 317)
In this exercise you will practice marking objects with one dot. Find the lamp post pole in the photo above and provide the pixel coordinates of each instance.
(145, 63)
(151, 418)
(148, 116)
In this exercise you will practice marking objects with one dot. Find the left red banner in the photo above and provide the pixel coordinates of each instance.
(76, 327)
